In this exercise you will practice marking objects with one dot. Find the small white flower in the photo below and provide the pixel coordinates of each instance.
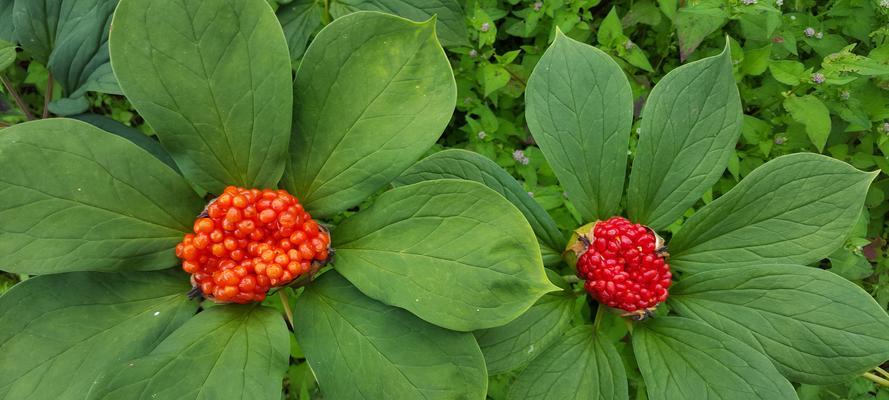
(793, 17)
(809, 32)
(818, 78)
(748, 2)
(482, 135)
(520, 157)
(539, 4)
(884, 3)
(531, 194)
(886, 124)
(780, 140)
(473, 53)
(629, 44)
(485, 27)
(819, 35)
(779, 3)
(845, 93)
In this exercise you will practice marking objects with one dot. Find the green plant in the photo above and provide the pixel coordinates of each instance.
(747, 314)
(96, 219)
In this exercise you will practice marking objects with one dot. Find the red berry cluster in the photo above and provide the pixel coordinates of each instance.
(622, 266)
(250, 241)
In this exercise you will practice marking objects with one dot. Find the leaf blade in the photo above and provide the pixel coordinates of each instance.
(75, 198)
(579, 110)
(189, 69)
(690, 125)
(795, 209)
(367, 111)
(816, 327)
(93, 320)
(459, 254)
(360, 348)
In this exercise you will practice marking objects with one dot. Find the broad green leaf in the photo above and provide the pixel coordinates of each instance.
(450, 21)
(690, 126)
(362, 349)
(453, 252)
(75, 198)
(137, 137)
(579, 110)
(681, 358)
(694, 22)
(7, 29)
(580, 366)
(70, 37)
(462, 164)
(853, 266)
(58, 333)
(7, 54)
(815, 326)
(372, 94)
(515, 344)
(610, 32)
(756, 61)
(795, 209)
(299, 19)
(788, 72)
(227, 352)
(213, 80)
(494, 77)
(812, 113)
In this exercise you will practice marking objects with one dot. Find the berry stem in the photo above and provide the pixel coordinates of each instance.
(882, 372)
(876, 379)
(571, 278)
(600, 313)
(286, 303)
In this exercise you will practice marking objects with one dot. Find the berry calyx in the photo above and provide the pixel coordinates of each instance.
(624, 266)
(248, 241)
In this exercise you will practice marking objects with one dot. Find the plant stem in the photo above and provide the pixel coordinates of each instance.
(47, 96)
(571, 278)
(18, 99)
(876, 379)
(600, 312)
(286, 303)
(882, 372)
(4, 125)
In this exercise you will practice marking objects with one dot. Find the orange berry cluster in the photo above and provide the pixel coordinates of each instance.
(249, 241)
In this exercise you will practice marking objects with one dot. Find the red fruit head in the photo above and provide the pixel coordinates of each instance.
(623, 266)
(242, 246)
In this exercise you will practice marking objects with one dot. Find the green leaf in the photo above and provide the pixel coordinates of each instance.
(494, 77)
(812, 113)
(462, 164)
(515, 344)
(849, 265)
(756, 61)
(453, 252)
(694, 22)
(133, 135)
(299, 19)
(227, 352)
(815, 326)
(788, 72)
(610, 32)
(75, 198)
(581, 366)
(360, 348)
(213, 80)
(70, 37)
(58, 333)
(690, 125)
(7, 30)
(795, 209)
(682, 358)
(7, 54)
(450, 22)
(579, 110)
(373, 93)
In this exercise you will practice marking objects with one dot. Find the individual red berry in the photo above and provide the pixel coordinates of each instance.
(250, 241)
(623, 267)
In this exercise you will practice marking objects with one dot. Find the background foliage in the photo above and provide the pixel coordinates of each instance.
(813, 77)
